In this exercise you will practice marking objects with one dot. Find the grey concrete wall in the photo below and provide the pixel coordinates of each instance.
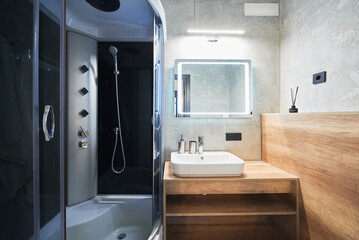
(260, 44)
(320, 36)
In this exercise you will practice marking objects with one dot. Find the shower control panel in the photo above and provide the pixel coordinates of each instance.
(81, 117)
(83, 133)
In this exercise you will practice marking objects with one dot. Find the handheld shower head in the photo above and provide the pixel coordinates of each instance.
(113, 50)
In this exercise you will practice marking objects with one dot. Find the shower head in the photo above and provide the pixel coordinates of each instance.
(105, 5)
(113, 50)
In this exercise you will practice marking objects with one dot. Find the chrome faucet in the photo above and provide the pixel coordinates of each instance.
(200, 144)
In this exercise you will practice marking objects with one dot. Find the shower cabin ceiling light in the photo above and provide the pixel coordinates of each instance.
(105, 5)
(216, 32)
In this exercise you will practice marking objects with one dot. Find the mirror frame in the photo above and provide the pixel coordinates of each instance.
(178, 101)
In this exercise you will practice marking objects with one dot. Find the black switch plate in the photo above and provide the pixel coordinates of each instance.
(84, 68)
(233, 136)
(84, 113)
(83, 91)
(320, 77)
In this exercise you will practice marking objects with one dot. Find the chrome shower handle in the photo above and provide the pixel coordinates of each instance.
(160, 124)
(48, 109)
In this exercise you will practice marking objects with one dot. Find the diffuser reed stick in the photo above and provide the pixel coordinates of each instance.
(293, 109)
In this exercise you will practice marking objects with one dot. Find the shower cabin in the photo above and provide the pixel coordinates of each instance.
(114, 74)
(59, 111)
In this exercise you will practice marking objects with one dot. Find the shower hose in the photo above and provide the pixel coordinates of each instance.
(117, 132)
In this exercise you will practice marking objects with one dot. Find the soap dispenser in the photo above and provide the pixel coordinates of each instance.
(181, 145)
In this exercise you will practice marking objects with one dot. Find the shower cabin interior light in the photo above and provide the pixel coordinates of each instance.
(105, 5)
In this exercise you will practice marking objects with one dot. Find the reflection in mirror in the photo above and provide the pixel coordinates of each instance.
(213, 88)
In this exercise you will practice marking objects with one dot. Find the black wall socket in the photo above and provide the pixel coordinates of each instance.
(233, 136)
(319, 77)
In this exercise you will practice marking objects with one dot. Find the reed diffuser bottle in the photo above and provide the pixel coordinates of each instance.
(293, 109)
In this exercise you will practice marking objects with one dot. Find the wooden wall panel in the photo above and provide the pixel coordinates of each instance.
(322, 149)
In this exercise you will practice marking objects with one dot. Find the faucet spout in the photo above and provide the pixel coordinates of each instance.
(200, 144)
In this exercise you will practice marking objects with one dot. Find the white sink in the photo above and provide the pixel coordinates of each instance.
(207, 164)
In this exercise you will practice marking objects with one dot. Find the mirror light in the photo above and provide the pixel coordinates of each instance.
(247, 111)
(216, 32)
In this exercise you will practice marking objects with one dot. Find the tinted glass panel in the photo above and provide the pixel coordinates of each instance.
(16, 162)
(135, 61)
(49, 87)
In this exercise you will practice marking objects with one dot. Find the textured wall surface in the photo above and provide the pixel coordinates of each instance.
(260, 44)
(320, 36)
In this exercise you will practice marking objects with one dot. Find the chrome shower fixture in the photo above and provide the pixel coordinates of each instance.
(117, 130)
(113, 50)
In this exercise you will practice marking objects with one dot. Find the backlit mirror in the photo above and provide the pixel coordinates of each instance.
(213, 88)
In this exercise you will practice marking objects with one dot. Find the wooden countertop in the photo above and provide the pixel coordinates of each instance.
(253, 171)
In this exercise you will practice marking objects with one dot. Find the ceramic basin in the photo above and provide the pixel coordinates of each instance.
(207, 164)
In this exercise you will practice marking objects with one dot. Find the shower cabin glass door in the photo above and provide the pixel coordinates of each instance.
(31, 190)
(49, 75)
(157, 123)
(16, 120)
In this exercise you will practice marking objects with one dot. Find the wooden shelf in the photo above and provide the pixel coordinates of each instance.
(220, 231)
(226, 205)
